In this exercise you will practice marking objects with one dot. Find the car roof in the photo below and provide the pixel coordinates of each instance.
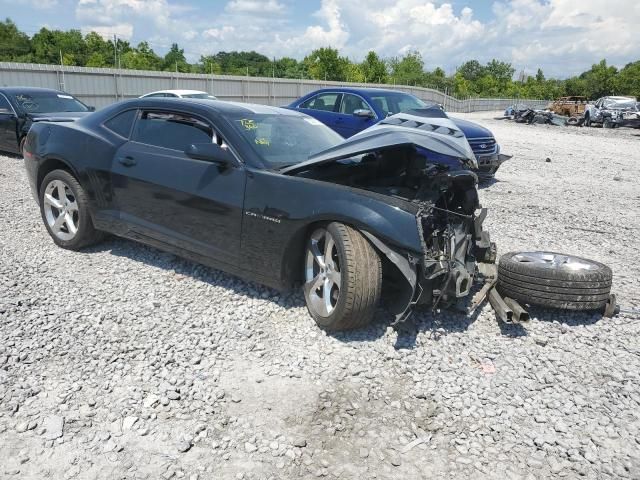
(218, 106)
(358, 90)
(178, 92)
(13, 90)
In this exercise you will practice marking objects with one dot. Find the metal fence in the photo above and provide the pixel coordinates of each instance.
(103, 86)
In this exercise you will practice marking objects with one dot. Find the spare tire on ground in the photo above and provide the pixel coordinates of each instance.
(554, 280)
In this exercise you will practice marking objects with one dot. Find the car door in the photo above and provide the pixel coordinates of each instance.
(162, 193)
(349, 123)
(8, 126)
(324, 107)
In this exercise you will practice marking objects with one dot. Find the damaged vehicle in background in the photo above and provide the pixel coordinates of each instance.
(351, 110)
(20, 107)
(274, 196)
(612, 112)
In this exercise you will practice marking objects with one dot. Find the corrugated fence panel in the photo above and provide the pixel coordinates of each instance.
(103, 86)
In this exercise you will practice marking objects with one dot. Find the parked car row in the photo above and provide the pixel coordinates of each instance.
(270, 194)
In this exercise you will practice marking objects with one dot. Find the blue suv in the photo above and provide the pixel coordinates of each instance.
(351, 110)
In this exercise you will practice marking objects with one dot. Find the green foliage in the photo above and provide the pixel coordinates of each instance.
(326, 64)
(374, 69)
(494, 79)
(407, 70)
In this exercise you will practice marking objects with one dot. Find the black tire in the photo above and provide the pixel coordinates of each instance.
(86, 234)
(557, 286)
(606, 123)
(21, 145)
(360, 279)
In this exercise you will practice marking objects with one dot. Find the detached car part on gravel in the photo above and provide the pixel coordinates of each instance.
(554, 280)
(392, 211)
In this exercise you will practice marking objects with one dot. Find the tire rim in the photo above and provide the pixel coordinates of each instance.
(322, 273)
(61, 210)
(554, 260)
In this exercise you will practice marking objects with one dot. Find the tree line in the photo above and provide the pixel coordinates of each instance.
(493, 79)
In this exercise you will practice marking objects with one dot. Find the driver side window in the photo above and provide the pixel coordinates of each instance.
(351, 103)
(173, 130)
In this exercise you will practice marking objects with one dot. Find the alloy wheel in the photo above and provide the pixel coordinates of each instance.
(323, 277)
(61, 210)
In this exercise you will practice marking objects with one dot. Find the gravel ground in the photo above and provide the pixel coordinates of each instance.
(125, 362)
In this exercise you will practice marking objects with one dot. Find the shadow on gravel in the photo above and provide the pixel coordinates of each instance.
(487, 183)
(138, 252)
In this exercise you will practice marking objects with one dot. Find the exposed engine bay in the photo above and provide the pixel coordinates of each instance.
(448, 216)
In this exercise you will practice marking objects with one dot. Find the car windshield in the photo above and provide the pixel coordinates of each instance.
(48, 102)
(620, 103)
(283, 140)
(206, 96)
(392, 103)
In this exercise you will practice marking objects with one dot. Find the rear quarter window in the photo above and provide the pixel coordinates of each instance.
(121, 124)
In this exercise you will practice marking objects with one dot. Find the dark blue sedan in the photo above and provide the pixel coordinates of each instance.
(351, 110)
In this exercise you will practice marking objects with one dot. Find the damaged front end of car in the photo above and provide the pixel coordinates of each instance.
(425, 163)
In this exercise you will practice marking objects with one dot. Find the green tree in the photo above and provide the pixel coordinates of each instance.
(326, 64)
(540, 76)
(49, 44)
(175, 60)
(408, 70)
(629, 80)
(471, 70)
(600, 80)
(141, 58)
(14, 44)
(373, 68)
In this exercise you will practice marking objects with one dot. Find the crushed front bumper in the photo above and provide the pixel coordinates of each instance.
(488, 164)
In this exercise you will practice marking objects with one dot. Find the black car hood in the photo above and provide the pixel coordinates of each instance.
(416, 128)
(57, 116)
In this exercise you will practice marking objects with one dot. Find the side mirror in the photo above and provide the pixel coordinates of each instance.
(91, 108)
(211, 152)
(364, 113)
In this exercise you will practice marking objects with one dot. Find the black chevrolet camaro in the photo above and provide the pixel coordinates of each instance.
(273, 195)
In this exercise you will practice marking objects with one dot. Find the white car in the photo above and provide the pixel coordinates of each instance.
(180, 94)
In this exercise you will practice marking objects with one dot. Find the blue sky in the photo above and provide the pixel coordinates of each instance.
(563, 37)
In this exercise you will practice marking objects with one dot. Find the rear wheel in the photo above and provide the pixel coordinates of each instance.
(343, 277)
(65, 211)
(554, 280)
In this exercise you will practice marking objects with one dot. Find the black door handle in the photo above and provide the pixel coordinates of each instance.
(127, 161)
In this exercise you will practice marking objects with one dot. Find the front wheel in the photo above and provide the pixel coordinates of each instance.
(65, 211)
(343, 277)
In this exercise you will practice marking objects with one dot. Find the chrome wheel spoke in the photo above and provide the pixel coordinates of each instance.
(59, 223)
(71, 226)
(315, 283)
(317, 254)
(326, 295)
(72, 206)
(335, 277)
(328, 250)
(51, 200)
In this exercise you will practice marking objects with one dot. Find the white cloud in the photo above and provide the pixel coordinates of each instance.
(255, 7)
(564, 37)
(122, 30)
